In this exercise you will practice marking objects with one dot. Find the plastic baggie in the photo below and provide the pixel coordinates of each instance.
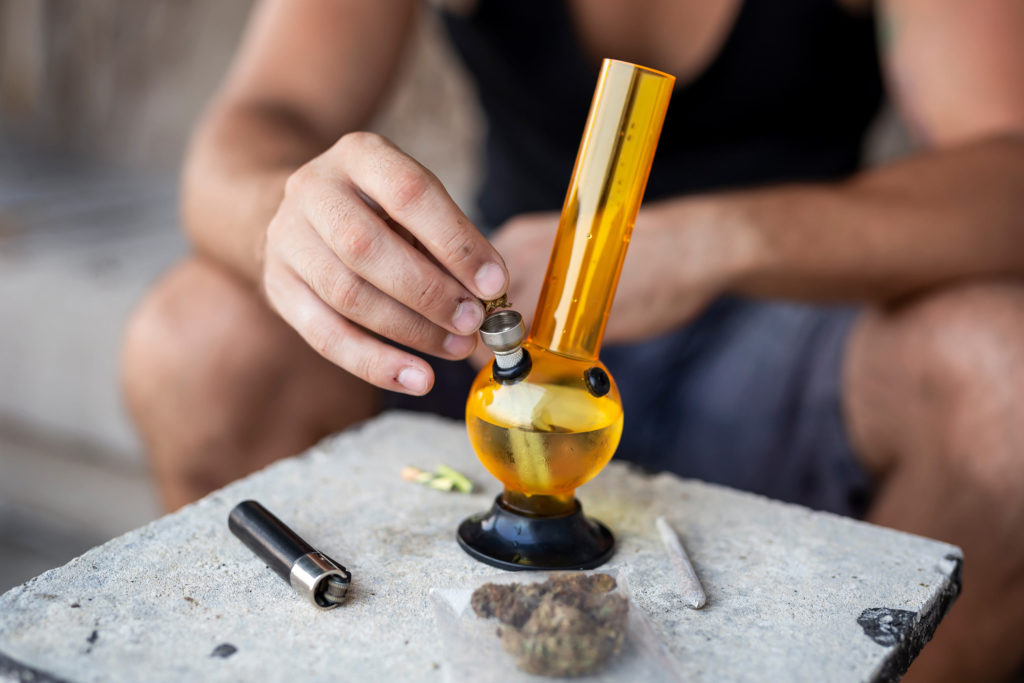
(473, 650)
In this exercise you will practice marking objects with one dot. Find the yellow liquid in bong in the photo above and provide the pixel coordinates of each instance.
(543, 438)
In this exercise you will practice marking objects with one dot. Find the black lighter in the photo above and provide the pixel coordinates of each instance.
(313, 575)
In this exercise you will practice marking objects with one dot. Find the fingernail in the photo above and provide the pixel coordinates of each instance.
(459, 346)
(413, 379)
(490, 280)
(468, 316)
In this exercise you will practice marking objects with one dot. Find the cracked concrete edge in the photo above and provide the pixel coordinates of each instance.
(903, 654)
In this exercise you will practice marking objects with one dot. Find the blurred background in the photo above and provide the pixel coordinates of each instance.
(96, 101)
(97, 98)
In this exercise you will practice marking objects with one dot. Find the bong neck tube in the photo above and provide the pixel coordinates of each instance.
(604, 196)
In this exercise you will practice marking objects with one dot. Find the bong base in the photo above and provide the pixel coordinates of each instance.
(507, 539)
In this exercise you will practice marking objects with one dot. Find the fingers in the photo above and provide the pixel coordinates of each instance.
(360, 301)
(413, 197)
(374, 251)
(340, 341)
(367, 248)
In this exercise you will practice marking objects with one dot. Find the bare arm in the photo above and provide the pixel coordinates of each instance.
(307, 72)
(920, 223)
(354, 244)
(953, 211)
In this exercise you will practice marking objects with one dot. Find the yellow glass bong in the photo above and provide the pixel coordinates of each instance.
(545, 416)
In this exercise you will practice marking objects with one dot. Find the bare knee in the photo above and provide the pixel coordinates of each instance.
(202, 362)
(970, 333)
(189, 356)
(950, 366)
(151, 351)
(218, 385)
(184, 337)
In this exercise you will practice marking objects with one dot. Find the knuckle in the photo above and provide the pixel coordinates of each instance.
(325, 339)
(408, 187)
(414, 331)
(346, 293)
(419, 331)
(369, 366)
(457, 248)
(333, 211)
(298, 181)
(355, 244)
(429, 293)
(358, 365)
(357, 140)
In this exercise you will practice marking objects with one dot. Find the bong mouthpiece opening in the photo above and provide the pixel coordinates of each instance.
(503, 333)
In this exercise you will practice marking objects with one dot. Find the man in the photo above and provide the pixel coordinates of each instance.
(320, 249)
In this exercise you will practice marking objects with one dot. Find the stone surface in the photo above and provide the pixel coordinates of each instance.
(58, 498)
(793, 594)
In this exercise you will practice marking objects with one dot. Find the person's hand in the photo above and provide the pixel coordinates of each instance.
(678, 262)
(367, 248)
(675, 266)
(525, 243)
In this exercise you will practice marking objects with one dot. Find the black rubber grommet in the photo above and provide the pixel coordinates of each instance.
(516, 372)
(598, 382)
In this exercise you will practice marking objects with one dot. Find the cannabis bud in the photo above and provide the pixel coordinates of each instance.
(566, 626)
(495, 304)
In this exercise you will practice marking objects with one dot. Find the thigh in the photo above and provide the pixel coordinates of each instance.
(206, 361)
(944, 367)
(749, 395)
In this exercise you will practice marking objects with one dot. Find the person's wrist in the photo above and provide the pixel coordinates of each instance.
(714, 235)
(740, 250)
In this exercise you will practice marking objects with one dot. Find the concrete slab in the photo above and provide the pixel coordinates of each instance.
(60, 497)
(793, 594)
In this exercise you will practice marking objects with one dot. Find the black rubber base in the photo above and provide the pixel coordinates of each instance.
(507, 539)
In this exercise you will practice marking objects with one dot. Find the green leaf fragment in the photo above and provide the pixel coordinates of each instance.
(441, 484)
(444, 478)
(458, 479)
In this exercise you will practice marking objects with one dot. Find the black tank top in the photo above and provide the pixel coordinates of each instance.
(788, 97)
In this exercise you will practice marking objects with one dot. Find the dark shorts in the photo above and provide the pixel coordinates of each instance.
(748, 395)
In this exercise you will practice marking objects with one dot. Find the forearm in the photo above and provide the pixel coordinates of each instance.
(882, 235)
(234, 180)
(306, 72)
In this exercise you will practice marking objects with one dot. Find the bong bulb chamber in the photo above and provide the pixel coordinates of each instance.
(546, 434)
